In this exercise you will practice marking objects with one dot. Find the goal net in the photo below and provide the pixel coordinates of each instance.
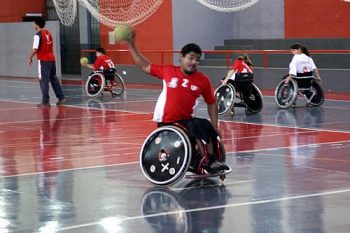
(227, 5)
(108, 12)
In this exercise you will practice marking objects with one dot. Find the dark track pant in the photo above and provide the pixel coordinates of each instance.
(48, 75)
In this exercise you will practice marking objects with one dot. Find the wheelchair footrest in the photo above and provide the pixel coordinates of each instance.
(199, 176)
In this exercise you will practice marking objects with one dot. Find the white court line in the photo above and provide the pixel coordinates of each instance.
(289, 127)
(214, 185)
(72, 118)
(268, 135)
(334, 100)
(71, 169)
(248, 203)
(130, 163)
(287, 147)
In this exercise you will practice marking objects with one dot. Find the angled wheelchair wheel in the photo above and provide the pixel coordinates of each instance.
(118, 85)
(165, 155)
(318, 98)
(286, 94)
(95, 84)
(254, 101)
(225, 95)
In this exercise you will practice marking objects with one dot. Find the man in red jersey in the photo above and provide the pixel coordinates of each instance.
(43, 49)
(182, 87)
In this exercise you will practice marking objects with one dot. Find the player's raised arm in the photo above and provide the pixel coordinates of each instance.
(143, 63)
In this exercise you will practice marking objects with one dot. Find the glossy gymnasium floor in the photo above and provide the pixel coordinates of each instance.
(75, 168)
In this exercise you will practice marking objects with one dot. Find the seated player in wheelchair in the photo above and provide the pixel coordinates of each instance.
(303, 78)
(182, 86)
(241, 78)
(104, 77)
(103, 64)
(302, 64)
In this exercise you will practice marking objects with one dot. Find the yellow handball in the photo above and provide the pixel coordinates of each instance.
(123, 33)
(84, 60)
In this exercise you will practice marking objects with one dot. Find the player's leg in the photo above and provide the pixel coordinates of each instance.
(44, 74)
(56, 85)
(203, 131)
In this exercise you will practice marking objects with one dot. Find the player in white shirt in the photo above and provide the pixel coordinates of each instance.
(301, 64)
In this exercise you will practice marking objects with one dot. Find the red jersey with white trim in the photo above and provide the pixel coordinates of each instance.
(180, 93)
(241, 67)
(43, 42)
(103, 62)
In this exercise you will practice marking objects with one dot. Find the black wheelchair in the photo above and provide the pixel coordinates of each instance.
(305, 86)
(106, 80)
(168, 153)
(241, 92)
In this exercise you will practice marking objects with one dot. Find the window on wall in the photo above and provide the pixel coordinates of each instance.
(70, 42)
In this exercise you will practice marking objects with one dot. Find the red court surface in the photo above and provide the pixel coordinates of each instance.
(76, 168)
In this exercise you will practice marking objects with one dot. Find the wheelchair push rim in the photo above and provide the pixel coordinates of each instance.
(167, 162)
(318, 99)
(118, 85)
(225, 95)
(95, 84)
(286, 94)
(255, 101)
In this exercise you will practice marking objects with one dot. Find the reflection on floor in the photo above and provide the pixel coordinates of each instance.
(76, 168)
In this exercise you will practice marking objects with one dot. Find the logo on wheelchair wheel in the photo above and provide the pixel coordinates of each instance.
(163, 155)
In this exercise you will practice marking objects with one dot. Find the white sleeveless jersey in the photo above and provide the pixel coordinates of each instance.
(301, 63)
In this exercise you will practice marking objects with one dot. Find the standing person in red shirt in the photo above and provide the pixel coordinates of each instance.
(182, 87)
(43, 49)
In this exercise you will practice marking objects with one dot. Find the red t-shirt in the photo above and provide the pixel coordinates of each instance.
(45, 48)
(103, 62)
(241, 67)
(180, 93)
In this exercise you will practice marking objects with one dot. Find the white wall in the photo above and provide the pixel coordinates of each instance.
(16, 41)
(193, 22)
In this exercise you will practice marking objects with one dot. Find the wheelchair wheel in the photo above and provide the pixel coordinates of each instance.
(225, 95)
(165, 155)
(255, 100)
(286, 94)
(95, 84)
(118, 85)
(318, 98)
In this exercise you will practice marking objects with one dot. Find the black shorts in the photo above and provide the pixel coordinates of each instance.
(198, 128)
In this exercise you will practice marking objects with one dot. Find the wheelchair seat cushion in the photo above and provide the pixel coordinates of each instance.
(244, 77)
(200, 129)
(109, 73)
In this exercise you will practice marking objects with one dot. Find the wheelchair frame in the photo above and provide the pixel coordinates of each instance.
(228, 105)
(308, 93)
(160, 166)
(116, 86)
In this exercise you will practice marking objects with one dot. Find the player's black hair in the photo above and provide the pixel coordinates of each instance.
(191, 48)
(101, 50)
(303, 49)
(40, 21)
